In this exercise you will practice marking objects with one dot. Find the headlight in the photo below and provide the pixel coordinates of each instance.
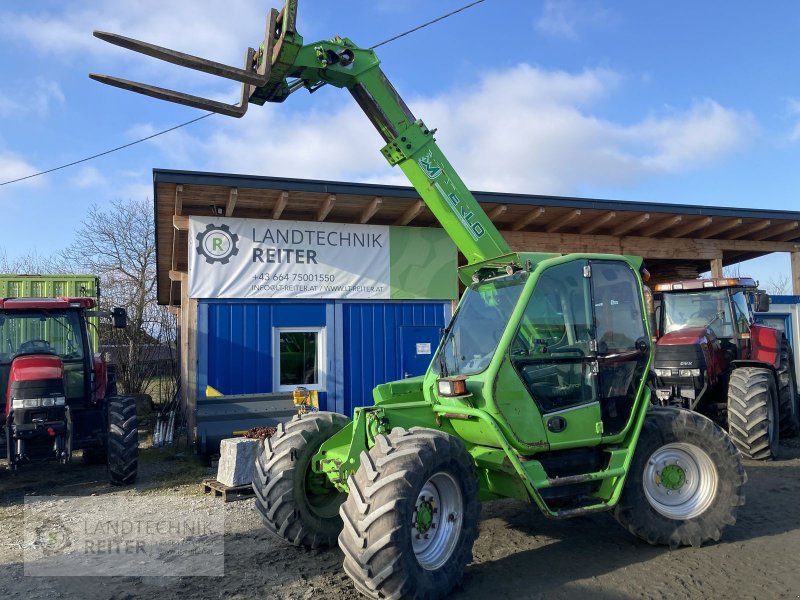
(689, 372)
(452, 387)
(38, 402)
(664, 372)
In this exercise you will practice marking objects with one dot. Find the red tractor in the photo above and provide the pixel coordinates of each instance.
(56, 395)
(711, 357)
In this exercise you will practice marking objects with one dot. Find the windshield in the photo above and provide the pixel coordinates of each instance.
(477, 326)
(708, 308)
(40, 331)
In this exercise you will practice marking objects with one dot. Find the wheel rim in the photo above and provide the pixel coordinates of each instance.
(680, 481)
(437, 520)
(323, 499)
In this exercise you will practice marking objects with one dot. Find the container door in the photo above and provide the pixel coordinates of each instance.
(419, 344)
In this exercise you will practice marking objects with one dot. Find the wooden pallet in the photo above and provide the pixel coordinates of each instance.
(229, 494)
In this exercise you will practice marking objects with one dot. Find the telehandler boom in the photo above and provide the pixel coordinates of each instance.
(536, 392)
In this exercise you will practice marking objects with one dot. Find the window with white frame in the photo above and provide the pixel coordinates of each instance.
(298, 358)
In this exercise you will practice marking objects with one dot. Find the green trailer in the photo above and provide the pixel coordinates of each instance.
(53, 286)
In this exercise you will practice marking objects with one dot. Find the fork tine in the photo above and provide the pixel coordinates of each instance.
(185, 60)
(230, 110)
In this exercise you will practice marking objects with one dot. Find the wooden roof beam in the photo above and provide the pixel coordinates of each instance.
(370, 210)
(565, 220)
(177, 275)
(782, 228)
(280, 204)
(661, 226)
(632, 224)
(720, 227)
(528, 219)
(691, 227)
(496, 211)
(751, 228)
(412, 212)
(178, 199)
(325, 207)
(234, 193)
(596, 224)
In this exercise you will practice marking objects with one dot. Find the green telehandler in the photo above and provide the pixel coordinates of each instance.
(537, 390)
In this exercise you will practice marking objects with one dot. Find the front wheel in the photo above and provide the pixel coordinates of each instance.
(753, 412)
(411, 517)
(685, 482)
(123, 440)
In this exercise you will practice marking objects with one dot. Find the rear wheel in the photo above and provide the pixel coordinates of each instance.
(294, 502)
(787, 392)
(685, 481)
(411, 517)
(123, 440)
(753, 414)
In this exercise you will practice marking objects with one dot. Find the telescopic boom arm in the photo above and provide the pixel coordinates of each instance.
(283, 65)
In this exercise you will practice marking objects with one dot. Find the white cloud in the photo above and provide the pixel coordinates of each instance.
(35, 96)
(539, 136)
(13, 166)
(568, 18)
(88, 177)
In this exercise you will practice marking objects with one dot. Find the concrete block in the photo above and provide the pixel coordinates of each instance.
(236, 459)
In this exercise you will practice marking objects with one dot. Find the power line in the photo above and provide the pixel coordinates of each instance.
(128, 145)
(418, 27)
(200, 118)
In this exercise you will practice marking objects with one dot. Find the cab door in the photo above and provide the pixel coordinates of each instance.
(622, 342)
(554, 354)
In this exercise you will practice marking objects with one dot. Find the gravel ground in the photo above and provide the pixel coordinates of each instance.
(519, 553)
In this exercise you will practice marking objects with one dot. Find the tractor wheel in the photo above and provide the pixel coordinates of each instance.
(685, 481)
(411, 517)
(787, 393)
(294, 503)
(753, 414)
(123, 440)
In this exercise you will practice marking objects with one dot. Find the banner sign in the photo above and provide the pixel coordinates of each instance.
(257, 258)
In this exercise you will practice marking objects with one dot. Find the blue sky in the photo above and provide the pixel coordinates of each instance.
(680, 102)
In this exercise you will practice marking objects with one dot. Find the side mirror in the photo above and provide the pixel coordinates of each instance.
(762, 301)
(120, 317)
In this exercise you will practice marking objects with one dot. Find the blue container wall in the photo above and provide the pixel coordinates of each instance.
(373, 344)
(239, 342)
(365, 344)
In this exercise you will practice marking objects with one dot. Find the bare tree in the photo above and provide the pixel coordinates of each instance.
(33, 263)
(779, 284)
(118, 244)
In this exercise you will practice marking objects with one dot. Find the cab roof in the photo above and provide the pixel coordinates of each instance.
(61, 302)
(705, 284)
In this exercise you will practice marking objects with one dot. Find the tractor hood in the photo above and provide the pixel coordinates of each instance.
(687, 337)
(36, 367)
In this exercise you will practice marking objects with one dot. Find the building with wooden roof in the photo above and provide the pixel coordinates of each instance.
(239, 343)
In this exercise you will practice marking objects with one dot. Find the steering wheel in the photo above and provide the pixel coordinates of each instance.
(32, 346)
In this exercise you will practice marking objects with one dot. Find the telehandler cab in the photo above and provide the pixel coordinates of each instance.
(538, 390)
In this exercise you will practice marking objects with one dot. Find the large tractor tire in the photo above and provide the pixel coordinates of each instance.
(685, 482)
(787, 392)
(411, 517)
(294, 503)
(753, 412)
(123, 440)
